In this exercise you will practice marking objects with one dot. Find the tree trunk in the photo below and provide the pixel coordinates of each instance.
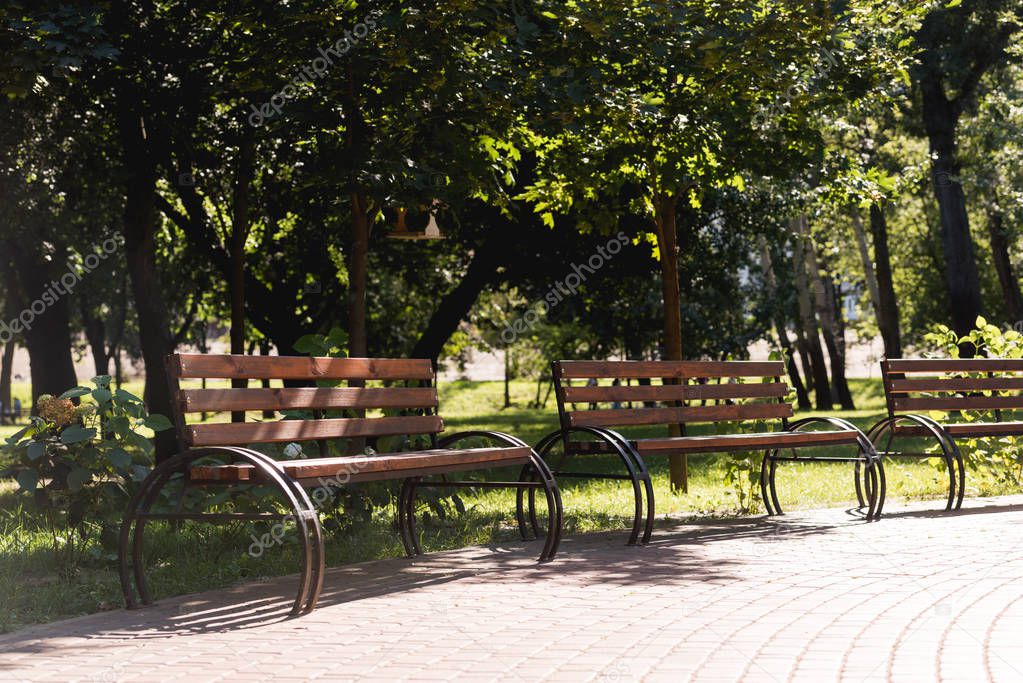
(96, 334)
(46, 317)
(804, 356)
(811, 333)
(358, 269)
(240, 224)
(878, 274)
(667, 244)
(6, 368)
(1003, 265)
(455, 305)
(771, 282)
(507, 379)
(832, 328)
(962, 280)
(140, 227)
(838, 377)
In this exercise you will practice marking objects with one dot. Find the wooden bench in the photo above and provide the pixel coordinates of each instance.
(409, 402)
(987, 386)
(665, 393)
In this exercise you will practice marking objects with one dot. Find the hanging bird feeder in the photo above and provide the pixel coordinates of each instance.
(401, 231)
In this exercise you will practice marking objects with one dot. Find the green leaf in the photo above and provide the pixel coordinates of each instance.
(139, 472)
(101, 395)
(101, 381)
(35, 450)
(78, 477)
(144, 444)
(119, 425)
(17, 436)
(76, 392)
(119, 458)
(157, 422)
(76, 434)
(127, 396)
(27, 480)
(312, 344)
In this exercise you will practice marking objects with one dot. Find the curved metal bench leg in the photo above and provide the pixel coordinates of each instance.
(520, 493)
(402, 510)
(857, 466)
(555, 511)
(409, 489)
(624, 454)
(772, 474)
(949, 452)
(133, 525)
(962, 475)
(883, 488)
(765, 464)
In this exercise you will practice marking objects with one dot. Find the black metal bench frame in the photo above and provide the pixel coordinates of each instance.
(947, 385)
(257, 467)
(689, 381)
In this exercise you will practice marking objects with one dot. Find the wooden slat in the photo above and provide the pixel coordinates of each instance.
(353, 468)
(954, 365)
(958, 403)
(656, 416)
(674, 392)
(913, 385)
(192, 365)
(635, 369)
(741, 442)
(217, 400)
(239, 433)
(965, 429)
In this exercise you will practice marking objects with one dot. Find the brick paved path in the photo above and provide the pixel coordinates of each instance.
(813, 596)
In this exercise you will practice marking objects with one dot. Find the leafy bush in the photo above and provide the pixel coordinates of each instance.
(77, 464)
(1002, 456)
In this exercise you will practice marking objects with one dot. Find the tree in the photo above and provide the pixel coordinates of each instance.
(959, 44)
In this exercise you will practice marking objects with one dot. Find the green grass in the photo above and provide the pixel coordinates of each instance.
(200, 557)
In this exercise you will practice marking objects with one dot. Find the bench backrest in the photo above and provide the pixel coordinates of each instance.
(923, 384)
(671, 392)
(420, 398)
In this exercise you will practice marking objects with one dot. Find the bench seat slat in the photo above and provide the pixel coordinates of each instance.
(367, 467)
(238, 433)
(228, 366)
(656, 416)
(966, 429)
(958, 403)
(723, 442)
(217, 400)
(674, 392)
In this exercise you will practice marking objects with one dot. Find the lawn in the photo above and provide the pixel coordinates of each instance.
(198, 557)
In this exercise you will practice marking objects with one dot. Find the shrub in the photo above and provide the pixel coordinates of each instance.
(77, 464)
(1000, 455)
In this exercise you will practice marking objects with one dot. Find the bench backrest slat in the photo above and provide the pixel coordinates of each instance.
(307, 398)
(674, 392)
(923, 384)
(661, 416)
(420, 399)
(234, 433)
(681, 392)
(226, 366)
